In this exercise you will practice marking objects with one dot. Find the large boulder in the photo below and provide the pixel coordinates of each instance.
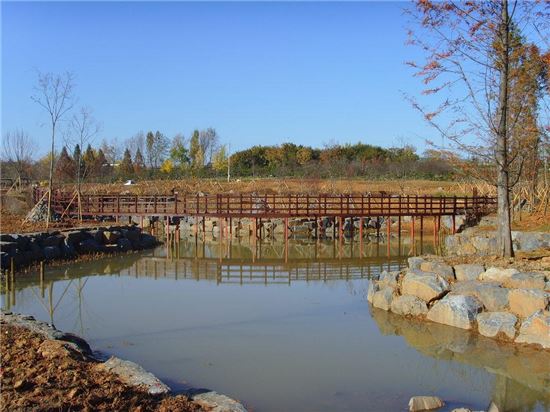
(372, 289)
(75, 237)
(467, 272)
(97, 235)
(388, 278)
(124, 244)
(426, 286)
(131, 234)
(456, 310)
(111, 236)
(524, 302)
(494, 297)
(497, 274)
(536, 329)
(491, 324)
(89, 246)
(9, 247)
(528, 241)
(440, 268)
(525, 280)
(51, 252)
(382, 299)
(134, 375)
(54, 240)
(407, 305)
(415, 262)
(147, 241)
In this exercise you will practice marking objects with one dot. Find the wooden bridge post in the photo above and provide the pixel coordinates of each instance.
(340, 236)
(286, 238)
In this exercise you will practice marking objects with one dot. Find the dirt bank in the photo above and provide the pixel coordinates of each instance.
(45, 375)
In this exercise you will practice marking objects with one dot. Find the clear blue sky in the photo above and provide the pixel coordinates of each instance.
(309, 73)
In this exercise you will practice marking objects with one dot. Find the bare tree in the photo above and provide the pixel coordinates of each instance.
(209, 142)
(54, 93)
(18, 149)
(474, 53)
(136, 142)
(83, 128)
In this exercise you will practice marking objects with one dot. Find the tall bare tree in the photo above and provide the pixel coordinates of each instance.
(83, 128)
(18, 149)
(470, 55)
(55, 94)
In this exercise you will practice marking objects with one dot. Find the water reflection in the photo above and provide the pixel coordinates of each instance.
(522, 373)
(254, 321)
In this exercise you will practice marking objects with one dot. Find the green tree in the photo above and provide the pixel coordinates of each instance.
(178, 152)
(195, 151)
(126, 167)
(65, 166)
(139, 163)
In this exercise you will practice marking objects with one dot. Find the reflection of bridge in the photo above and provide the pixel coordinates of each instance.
(266, 271)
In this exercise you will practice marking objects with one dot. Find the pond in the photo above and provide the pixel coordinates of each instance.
(279, 333)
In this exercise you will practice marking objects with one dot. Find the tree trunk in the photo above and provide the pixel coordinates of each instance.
(504, 230)
(50, 183)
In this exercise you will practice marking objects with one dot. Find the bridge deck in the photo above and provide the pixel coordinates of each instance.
(270, 205)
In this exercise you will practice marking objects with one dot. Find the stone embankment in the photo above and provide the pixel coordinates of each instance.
(57, 344)
(27, 248)
(473, 241)
(496, 302)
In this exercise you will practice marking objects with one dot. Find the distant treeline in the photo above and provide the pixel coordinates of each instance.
(152, 155)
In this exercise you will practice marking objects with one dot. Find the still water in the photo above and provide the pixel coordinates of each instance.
(277, 332)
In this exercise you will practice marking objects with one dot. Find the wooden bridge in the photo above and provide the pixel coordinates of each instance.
(267, 205)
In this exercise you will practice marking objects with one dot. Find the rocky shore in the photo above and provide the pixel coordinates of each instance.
(26, 249)
(497, 302)
(46, 369)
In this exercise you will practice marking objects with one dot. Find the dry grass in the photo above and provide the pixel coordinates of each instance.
(284, 186)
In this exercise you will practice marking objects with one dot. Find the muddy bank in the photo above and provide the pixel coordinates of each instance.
(23, 250)
(46, 369)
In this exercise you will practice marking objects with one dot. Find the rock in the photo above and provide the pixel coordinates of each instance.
(426, 286)
(75, 237)
(54, 240)
(490, 324)
(425, 403)
(383, 298)
(67, 249)
(485, 244)
(98, 236)
(461, 410)
(111, 237)
(147, 241)
(440, 268)
(124, 244)
(51, 349)
(407, 305)
(467, 272)
(6, 238)
(214, 402)
(22, 242)
(528, 241)
(536, 329)
(373, 288)
(51, 252)
(388, 278)
(8, 247)
(88, 246)
(493, 407)
(455, 310)
(524, 302)
(131, 234)
(497, 274)
(415, 262)
(493, 297)
(525, 280)
(134, 375)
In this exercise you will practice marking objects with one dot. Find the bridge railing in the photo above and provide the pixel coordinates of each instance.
(271, 205)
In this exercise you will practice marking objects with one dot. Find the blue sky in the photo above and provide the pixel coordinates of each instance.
(260, 73)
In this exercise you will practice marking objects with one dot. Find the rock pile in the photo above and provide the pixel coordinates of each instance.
(33, 247)
(498, 303)
(39, 212)
(482, 242)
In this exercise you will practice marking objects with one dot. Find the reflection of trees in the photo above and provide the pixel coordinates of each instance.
(521, 373)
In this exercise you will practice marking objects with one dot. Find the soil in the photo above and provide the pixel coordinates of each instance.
(44, 375)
